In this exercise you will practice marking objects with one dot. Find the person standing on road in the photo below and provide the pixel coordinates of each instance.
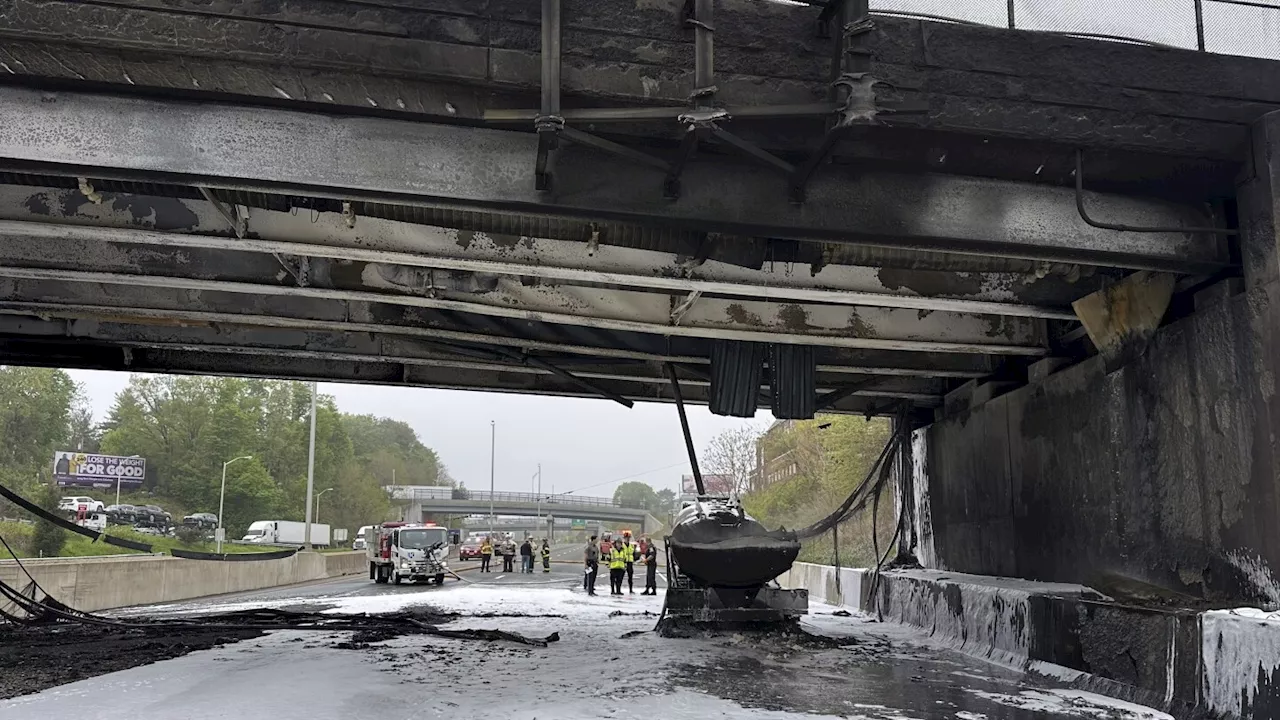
(526, 557)
(650, 568)
(508, 555)
(546, 557)
(591, 559)
(486, 553)
(629, 551)
(617, 567)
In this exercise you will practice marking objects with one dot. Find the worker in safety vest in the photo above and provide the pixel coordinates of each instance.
(486, 553)
(617, 566)
(546, 556)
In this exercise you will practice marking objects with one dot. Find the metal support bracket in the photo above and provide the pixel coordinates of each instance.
(549, 128)
(549, 121)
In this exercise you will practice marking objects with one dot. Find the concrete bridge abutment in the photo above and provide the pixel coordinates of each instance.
(1160, 475)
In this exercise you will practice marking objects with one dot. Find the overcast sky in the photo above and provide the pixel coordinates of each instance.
(580, 443)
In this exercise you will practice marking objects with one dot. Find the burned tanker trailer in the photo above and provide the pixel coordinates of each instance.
(722, 565)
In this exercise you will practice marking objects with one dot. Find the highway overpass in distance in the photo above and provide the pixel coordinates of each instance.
(430, 501)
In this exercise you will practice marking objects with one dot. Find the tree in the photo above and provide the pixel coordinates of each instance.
(82, 433)
(187, 427)
(251, 495)
(666, 500)
(47, 539)
(733, 453)
(35, 405)
(636, 494)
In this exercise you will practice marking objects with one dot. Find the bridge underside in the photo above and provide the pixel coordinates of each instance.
(347, 191)
(343, 192)
(156, 235)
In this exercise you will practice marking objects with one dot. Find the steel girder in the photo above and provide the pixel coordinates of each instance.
(455, 166)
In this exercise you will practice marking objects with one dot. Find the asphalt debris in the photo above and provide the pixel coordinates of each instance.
(34, 658)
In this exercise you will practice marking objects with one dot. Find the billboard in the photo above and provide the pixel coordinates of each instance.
(714, 484)
(72, 468)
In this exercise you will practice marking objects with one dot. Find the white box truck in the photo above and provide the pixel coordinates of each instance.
(285, 532)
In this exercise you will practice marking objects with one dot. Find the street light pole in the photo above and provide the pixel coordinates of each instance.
(318, 496)
(539, 494)
(311, 469)
(222, 495)
(493, 441)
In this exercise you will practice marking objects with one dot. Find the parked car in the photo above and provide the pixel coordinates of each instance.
(72, 504)
(204, 521)
(154, 516)
(122, 514)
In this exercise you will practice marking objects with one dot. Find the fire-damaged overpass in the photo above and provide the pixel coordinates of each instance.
(1054, 255)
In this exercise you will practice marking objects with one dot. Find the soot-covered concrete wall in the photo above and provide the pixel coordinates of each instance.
(1144, 473)
(1165, 470)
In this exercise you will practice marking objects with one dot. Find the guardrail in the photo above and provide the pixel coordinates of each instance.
(1229, 27)
(548, 499)
(434, 494)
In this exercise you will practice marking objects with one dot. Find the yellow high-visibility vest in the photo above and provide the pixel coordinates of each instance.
(618, 559)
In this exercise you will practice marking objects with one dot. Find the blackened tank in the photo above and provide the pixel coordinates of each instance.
(716, 544)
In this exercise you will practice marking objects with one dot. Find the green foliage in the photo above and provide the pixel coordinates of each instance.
(829, 463)
(35, 404)
(636, 494)
(187, 427)
(47, 539)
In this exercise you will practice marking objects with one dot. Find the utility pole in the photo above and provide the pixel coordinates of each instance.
(311, 468)
(493, 440)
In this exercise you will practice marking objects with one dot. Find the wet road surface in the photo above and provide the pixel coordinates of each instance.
(606, 664)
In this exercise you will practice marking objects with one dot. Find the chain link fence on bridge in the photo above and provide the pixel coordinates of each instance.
(1229, 27)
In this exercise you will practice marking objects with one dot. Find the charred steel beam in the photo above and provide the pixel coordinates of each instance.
(836, 285)
(631, 114)
(271, 150)
(684, 427)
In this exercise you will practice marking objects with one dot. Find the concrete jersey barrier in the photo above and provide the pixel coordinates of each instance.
(104, 583)
(1183, 661)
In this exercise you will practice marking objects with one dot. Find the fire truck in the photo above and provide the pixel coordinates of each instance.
(399, 551)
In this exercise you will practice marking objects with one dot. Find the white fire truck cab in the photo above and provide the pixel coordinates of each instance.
(400, 551)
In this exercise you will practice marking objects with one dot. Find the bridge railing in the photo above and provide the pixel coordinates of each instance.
(547, 499)
(1229, 27)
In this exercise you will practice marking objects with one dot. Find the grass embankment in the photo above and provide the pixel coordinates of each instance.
(18, 535)
(827, 458)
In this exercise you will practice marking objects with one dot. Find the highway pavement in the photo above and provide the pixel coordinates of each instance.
(604, 663)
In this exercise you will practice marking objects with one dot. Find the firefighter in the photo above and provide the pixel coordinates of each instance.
(486, 553)
(650, 567)
(546, 556)
(617, 566)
